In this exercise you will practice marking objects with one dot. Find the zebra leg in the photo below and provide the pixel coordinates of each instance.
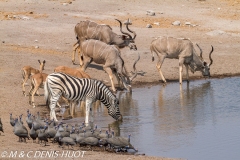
(52, 107)
(89, 112)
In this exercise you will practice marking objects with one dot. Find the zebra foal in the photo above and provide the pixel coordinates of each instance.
(76, 89)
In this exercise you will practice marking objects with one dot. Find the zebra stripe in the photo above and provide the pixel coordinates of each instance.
(76, 89)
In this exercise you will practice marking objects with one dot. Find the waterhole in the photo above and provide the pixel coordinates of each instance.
(199, 120)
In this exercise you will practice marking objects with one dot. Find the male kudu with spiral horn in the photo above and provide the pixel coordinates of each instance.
(182, 49)
(85, 30)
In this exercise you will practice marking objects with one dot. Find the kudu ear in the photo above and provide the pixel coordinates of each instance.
(39, 61)
(44, 61)
(204, 63)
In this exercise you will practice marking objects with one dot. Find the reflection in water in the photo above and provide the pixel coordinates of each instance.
(196, 120)
(178, 111)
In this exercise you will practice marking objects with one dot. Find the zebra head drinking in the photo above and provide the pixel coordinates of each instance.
(76, 89)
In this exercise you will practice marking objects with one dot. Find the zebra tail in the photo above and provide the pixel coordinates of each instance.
(46, 93)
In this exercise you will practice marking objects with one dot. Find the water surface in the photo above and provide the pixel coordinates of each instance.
(198, 121)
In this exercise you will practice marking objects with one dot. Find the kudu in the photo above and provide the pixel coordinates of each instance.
(27, 71)
(182, 49)
(108, 55)
(91, 30)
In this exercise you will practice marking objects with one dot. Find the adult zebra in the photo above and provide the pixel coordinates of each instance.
(76, 89)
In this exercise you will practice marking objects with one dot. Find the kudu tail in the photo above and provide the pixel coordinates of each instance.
(134, 68)
(151, 49)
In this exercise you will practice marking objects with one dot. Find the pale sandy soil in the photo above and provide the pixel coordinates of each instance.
(49, 25)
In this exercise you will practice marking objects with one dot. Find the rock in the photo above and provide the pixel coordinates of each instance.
(150, 13)
(215, 33)
(176, 23)
(157, 23)
(187, 23)
(36, 47)
(25, 18)
(149, 26)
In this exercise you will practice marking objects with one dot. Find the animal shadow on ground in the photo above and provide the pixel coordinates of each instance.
(98, 67)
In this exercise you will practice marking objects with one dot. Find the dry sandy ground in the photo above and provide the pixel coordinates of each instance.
(32, 30)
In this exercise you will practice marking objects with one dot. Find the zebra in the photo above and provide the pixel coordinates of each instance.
(78, 89)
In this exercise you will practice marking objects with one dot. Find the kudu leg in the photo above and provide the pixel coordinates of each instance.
(158, 66)
(181, 60)
(75, 47)
(109, 72)
(187, 72)
(125, 84)
(87, 61)
(117, 77)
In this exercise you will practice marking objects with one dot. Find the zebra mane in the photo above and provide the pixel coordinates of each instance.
(104, 87)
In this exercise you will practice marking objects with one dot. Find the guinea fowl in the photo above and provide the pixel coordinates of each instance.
(86, 128)
(20, 130)
(90, 141)
(52, 124)
(61, 132)
(73, 135)
(33, 134)
(12, 121)
(38, 123)
(120, 143)
(1, 126)
(126, 143)
(67, 141)
(102, 135)
(79, 138)
(42, 135)
(29, 119)
(51, 131)
(20, 118)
